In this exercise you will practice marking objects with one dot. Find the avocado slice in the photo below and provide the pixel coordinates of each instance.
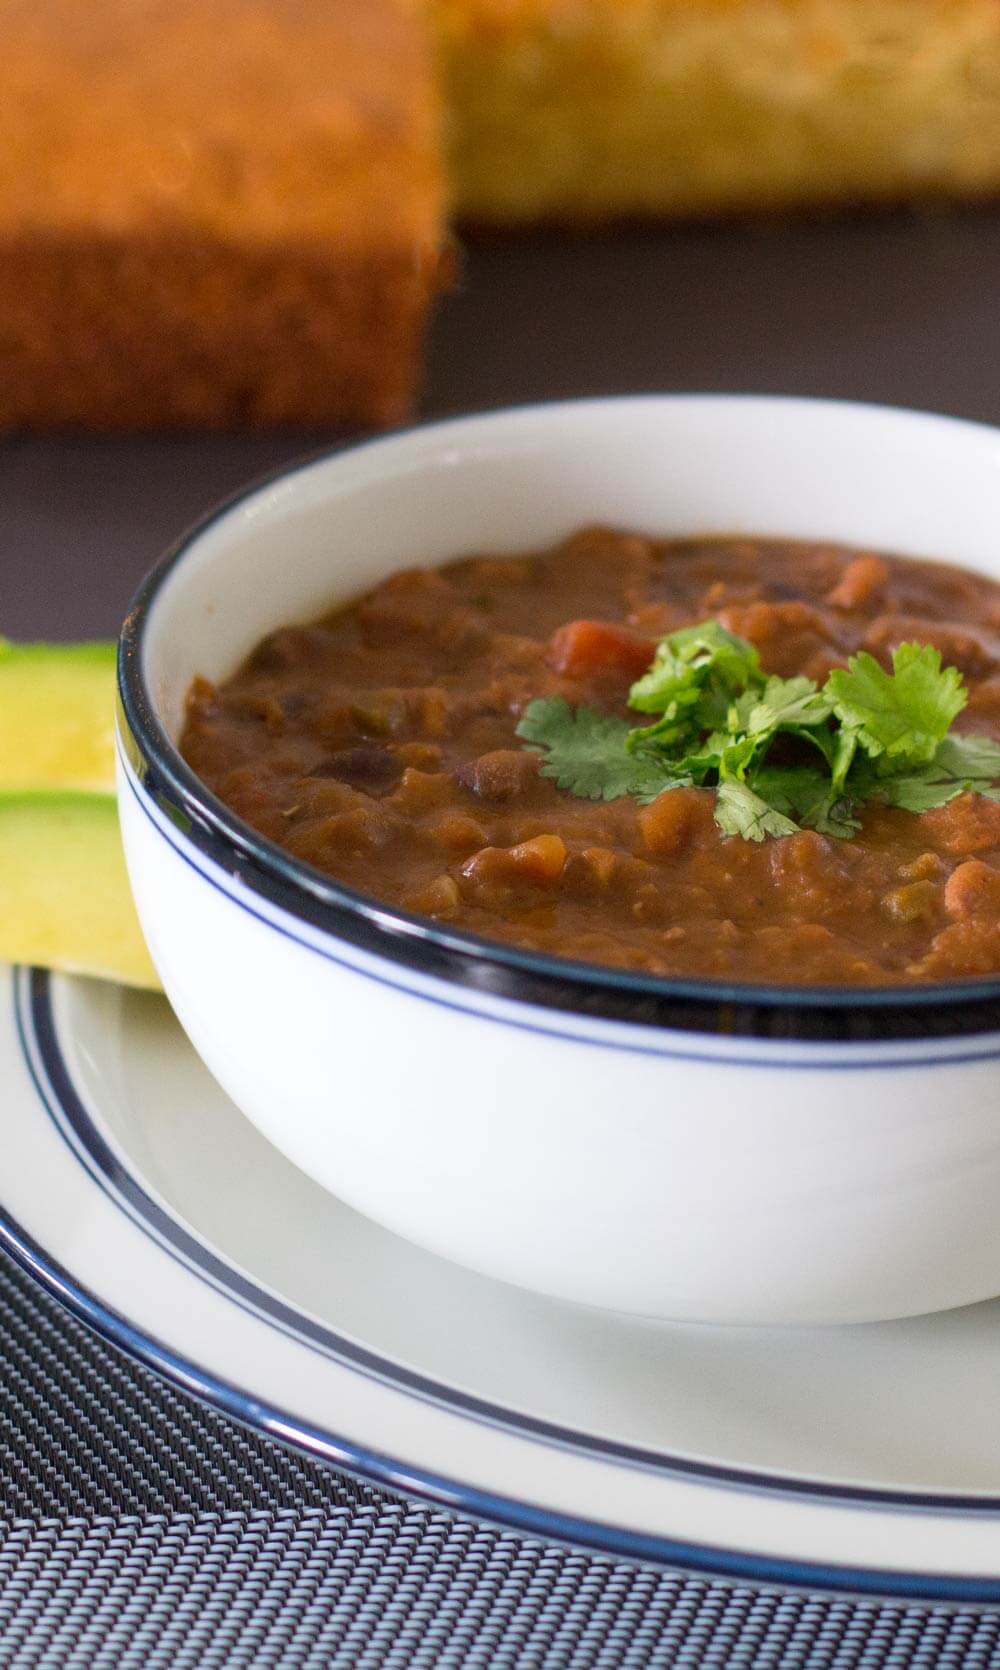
(65, 900)
(57, 716)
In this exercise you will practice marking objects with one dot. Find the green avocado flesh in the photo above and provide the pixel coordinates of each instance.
(57, 715)
(65, 900)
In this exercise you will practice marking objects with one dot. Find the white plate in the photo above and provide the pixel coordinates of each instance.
(862, 1458)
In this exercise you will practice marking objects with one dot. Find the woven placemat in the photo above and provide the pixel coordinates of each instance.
(140, 1530)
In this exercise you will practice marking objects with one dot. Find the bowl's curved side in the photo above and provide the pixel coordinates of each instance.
(686, 1183)
(795, 1183)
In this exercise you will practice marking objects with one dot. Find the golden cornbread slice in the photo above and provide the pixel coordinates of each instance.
(583, 110)
(224, 213)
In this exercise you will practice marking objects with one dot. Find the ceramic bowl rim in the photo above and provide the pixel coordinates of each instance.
(795, 1012)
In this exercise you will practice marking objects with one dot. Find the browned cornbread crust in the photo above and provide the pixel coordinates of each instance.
(220, 214)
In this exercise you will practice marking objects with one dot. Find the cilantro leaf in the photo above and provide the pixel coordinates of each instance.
(739, 811)
(785, 702)
(683, 661)
(918, 793)
(969, 757)
(584, 751)
(790, 788)
(834, 816)
(675, 729)
(902, 715)
(728, 755)
(808, 795)
(961, 763)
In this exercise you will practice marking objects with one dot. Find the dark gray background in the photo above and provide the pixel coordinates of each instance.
(898, 308)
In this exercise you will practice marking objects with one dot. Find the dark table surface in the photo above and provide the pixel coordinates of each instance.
(893, 308)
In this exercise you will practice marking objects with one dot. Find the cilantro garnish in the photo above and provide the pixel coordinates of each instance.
(739, 811)
(903, 714)
(959, 763)
(686, 662)
(867, 734)
(586, 753)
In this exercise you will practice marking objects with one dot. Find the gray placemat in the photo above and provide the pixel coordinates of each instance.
(139, 1529)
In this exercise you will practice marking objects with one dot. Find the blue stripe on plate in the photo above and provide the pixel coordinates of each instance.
(49, 1072)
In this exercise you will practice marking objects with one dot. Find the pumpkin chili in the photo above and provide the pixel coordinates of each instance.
(408, 745)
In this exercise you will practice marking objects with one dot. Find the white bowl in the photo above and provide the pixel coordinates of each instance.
(674, 1148)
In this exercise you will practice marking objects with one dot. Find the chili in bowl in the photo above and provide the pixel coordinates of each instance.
(600, 899)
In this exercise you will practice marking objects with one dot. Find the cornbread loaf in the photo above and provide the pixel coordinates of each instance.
(221, 214)
(231, 215)
(583, 110)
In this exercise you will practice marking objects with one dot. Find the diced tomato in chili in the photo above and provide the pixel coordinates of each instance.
(585, 647)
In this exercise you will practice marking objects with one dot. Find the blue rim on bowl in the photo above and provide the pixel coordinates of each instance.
(954, 1009)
